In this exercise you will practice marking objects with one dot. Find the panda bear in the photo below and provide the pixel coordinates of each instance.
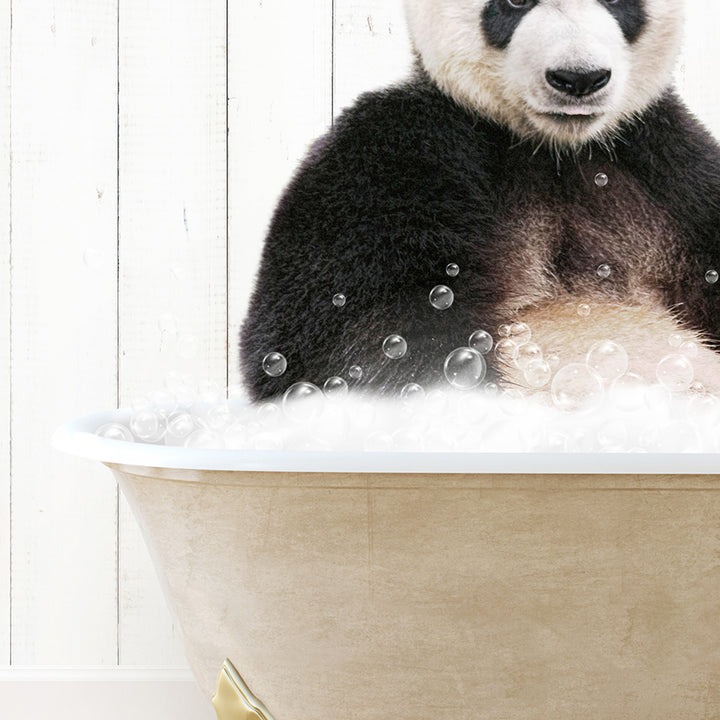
(539, 165)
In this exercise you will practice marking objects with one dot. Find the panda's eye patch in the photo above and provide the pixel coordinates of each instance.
(630, 15)
(500, 19)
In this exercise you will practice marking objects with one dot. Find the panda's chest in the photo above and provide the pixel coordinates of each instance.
(592, 231)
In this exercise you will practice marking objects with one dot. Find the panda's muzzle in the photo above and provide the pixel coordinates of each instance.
(578, 84)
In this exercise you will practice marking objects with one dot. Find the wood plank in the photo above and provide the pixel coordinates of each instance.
(5, 11)
(64, 108)
(173, 230)
(701, 47)
(273, 116)
(372, 48)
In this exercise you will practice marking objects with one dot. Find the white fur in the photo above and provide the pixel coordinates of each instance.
(509, 85)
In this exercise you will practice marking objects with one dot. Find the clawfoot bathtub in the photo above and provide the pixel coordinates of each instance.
(415, 586)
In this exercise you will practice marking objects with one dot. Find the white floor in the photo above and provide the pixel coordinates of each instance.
(107, 693)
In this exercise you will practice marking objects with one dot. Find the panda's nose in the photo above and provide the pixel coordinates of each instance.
(578, 84)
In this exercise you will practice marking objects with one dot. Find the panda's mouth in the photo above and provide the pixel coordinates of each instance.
(567, 117)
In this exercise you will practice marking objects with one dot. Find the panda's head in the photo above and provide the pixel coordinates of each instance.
(564, 71)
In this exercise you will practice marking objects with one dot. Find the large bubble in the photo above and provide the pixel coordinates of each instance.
(607, 360)
(274, 364)
(441, 297)
(302, 402)
(675, 372)
(482, 341)
(394, 346)
(464, 368)
(575, 388)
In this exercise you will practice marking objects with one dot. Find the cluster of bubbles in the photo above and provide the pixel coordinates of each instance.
(621, 412)
(628, 416)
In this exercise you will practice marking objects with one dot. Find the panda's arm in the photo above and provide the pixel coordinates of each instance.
(679, 162)
(368, 217)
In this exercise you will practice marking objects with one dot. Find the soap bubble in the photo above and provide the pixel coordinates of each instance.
(268, 414)
(601, 179)
(604, 271)
(506, 351)
(115, 431)
(520, 333)
(441, 297)
(180, 425)
(575, 388)
(481, 341)
(676, 340)
(464, 368)
(583, 310)
(164, 402)
(339, 300)
(553, 360)
(528, 353)
(504, 331)
(690, 349)
(711, 277)
(335, 387)
(608, 360)
(394, 346)
(675, 373)
(412, 393)
(302, 402)
(274, 364)
(146, 425)
(452, 269)
(355, 372)
(537, 373)
(218, 417)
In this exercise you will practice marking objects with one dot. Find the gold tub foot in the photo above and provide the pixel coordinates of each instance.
(233, 700)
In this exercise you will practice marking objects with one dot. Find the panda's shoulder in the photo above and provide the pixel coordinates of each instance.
(413, 117)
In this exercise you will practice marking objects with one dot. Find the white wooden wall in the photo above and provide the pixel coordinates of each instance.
(143, 146)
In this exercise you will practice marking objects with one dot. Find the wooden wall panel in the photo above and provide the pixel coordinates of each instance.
(371, 48)
(172, 170)
(5, 330)
(280, 99)
(64, 109)
(695, 76)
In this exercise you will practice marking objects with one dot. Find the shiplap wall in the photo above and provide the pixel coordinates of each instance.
(143, 146)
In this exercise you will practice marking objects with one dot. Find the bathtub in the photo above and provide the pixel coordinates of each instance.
(330, 586)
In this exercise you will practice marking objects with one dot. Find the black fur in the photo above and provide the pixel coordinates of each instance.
(500, 19)
(407, 182)
(630, 15)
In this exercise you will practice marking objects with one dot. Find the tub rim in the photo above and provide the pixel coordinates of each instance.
(77, 437)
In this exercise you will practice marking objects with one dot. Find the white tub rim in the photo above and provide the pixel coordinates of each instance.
(77, 437)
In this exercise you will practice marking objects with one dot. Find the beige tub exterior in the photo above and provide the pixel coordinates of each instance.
(418, 596)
